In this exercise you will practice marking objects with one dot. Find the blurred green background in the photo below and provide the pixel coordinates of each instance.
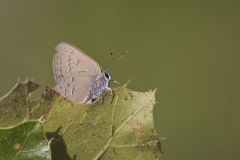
(189, 49)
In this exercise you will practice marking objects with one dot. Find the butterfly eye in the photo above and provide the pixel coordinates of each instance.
(107, 76)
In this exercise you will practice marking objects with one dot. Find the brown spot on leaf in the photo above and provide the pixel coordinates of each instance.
(48, 94)
(93, 122)
(138, 127)
(129, 96)
(16, 146)
(31, 86)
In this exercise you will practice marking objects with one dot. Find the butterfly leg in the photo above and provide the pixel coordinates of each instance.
(105, 94)
(101, 98)
(112, 94)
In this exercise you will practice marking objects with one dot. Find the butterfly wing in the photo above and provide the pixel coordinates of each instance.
(69, 59)
(74, 72)
(76, 88)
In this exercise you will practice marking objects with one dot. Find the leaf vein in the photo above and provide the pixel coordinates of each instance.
(104, 149)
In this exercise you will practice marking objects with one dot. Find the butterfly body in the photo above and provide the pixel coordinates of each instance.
(99, 85)
(78, 77)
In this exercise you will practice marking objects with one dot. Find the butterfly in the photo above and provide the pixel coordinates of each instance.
(78, 77)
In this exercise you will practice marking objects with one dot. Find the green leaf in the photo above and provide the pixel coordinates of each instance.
(40, 107)
(14, 106)
(119, 128)
(24, 142)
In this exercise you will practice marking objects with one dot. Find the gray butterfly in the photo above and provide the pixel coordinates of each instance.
(78, 77)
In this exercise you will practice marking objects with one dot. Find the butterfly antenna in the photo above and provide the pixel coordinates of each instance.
(108, 57)
(116, 61)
